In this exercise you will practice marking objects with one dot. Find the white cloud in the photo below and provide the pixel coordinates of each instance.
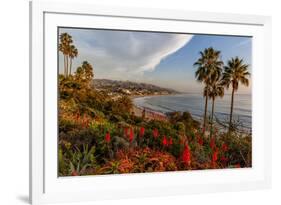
(124, 55)
(243, 43)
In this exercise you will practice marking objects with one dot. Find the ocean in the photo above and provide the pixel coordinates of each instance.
(194, 103)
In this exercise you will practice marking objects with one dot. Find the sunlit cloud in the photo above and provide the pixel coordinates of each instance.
(124, 55)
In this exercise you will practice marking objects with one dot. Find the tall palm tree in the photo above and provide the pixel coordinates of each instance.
(64, 47)
(235, 72)
(73, 53)
(209, 67)
(215, 90)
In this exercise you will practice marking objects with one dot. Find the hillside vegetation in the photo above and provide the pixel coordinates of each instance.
(99, 133)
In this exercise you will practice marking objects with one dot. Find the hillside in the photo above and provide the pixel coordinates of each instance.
(114, 87)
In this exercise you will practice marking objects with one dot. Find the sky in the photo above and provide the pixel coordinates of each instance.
(163, 59)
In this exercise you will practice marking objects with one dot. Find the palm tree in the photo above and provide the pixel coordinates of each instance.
(73, 53)
(84, 74)
(215, 90)
(64, 47)
(209, 67)
(235, 72)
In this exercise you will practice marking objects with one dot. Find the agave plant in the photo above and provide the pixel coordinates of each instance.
(76, 161)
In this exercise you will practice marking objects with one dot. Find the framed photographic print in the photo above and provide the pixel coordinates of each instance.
(129, 102)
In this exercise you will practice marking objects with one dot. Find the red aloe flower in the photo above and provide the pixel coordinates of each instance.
(155, 133)
(131, 136)
(107, 137)
(186, 155)
(142, 131)
(238, 166)
(215, 156)
(164, 141)
(74, 173)
(212, 143)
(224, 147)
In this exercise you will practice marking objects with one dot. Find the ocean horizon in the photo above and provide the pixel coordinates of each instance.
(194, 103)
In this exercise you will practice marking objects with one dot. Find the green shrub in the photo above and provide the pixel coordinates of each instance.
(73, 161)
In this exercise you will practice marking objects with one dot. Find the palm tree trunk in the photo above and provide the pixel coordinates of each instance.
(205, 113)
(64, 62)
(70, 66)
(231, 111)
(66, 65)
(213, 108)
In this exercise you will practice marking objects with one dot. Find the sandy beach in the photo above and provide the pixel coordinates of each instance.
(149, 114)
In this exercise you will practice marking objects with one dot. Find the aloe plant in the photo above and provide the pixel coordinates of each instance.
(74, 161)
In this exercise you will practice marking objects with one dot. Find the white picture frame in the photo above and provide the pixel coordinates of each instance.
(46, 186)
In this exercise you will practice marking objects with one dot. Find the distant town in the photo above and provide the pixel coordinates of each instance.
(116, 88)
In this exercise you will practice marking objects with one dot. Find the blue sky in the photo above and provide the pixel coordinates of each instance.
(162, 59)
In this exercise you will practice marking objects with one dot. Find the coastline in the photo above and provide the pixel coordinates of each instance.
(151, 114)
(142, 96)
(148, 113)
